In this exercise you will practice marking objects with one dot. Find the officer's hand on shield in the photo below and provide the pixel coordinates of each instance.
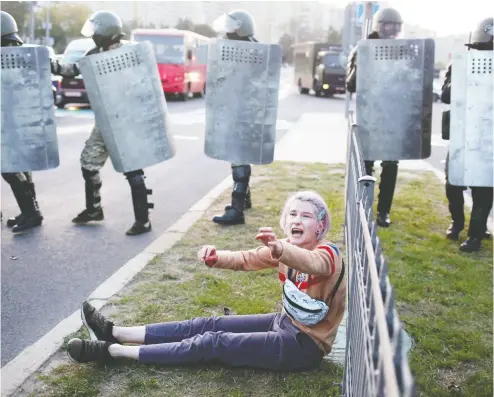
(207, 254)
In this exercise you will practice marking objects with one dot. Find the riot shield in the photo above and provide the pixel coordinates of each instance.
(471, 155)
(125, 92)
(29, 135)
(242, 101)
(394, 98)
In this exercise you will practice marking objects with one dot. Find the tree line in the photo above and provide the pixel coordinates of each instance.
(67, 20)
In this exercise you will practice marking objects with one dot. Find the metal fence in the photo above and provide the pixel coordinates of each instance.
(376, 363)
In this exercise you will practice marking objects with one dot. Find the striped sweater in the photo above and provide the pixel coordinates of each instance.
(316, 273)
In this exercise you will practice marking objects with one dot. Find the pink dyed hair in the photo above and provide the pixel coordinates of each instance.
(320, 208)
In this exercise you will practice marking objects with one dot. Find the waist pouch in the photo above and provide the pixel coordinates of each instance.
(301, 307)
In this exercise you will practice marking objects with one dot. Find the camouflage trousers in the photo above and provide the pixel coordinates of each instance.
(94, 153)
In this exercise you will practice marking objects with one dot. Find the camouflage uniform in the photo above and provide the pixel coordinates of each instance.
(93, 157)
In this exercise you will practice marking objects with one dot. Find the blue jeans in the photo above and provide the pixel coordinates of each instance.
(268, 341)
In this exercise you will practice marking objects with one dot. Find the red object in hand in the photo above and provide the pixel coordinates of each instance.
(211, 258)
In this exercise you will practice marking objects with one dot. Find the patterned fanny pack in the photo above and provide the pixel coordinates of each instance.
(301, 307)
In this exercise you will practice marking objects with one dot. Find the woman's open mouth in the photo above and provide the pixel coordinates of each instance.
(297, 232)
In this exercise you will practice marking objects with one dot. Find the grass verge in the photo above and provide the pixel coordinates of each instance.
(445, 299)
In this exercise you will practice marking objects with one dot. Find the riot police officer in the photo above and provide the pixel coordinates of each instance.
(237, 25)
(482, 40)
(386, 24)
(105, 28)
(21, 183)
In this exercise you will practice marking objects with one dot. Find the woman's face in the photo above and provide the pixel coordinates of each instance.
(302, 225)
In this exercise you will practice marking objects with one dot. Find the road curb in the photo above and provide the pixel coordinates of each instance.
(17, 371)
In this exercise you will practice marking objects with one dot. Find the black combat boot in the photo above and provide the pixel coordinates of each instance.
(471, 244)
(140, 202)
(93, 211)
(482, 204)
(248, 201)
(386, 192)
(31, 216)
(19, 198)
(455, 205)
(383, 220)
(235, 214)
(487, 234)
(454, 230)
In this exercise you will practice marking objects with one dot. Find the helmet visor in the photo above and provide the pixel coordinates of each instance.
(226, 24)
(89, 28)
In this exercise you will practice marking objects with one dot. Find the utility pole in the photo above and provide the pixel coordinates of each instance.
(367, 24)
(47, 25)
(32, 21)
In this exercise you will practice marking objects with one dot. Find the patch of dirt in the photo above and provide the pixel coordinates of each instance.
(451, 379)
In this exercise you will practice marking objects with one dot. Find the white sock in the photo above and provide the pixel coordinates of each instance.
(129, 334)
(117, 350)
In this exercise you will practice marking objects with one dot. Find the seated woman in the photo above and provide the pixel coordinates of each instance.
(295, 339)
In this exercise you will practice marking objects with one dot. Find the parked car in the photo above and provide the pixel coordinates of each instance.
(71, 89)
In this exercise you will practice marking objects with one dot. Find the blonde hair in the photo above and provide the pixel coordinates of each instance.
(321, 210)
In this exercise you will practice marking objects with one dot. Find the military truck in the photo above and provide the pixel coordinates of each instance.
(320, 67)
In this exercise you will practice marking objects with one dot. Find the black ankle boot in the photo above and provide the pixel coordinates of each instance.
(93, 211)
(31, 216)
(230, 217)
(89, 216)
(234, 214)
(383, 220)
(248, 202)
(471, 244)
(454, 230)
(140, 203)
(19, 195)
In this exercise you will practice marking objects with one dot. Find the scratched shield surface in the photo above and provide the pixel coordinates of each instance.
(130, 110)
(29, 135)
(243, 84)
(471, 153)
(394, 98)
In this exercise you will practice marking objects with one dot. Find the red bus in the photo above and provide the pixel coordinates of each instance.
(182, 58)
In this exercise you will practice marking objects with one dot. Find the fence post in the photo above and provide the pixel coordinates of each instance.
(366, 194)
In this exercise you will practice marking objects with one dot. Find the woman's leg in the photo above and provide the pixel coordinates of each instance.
(101, 328)
(177, 331)
(283, 348)
(278, 349)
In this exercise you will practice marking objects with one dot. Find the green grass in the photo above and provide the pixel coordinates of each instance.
(445, 298)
